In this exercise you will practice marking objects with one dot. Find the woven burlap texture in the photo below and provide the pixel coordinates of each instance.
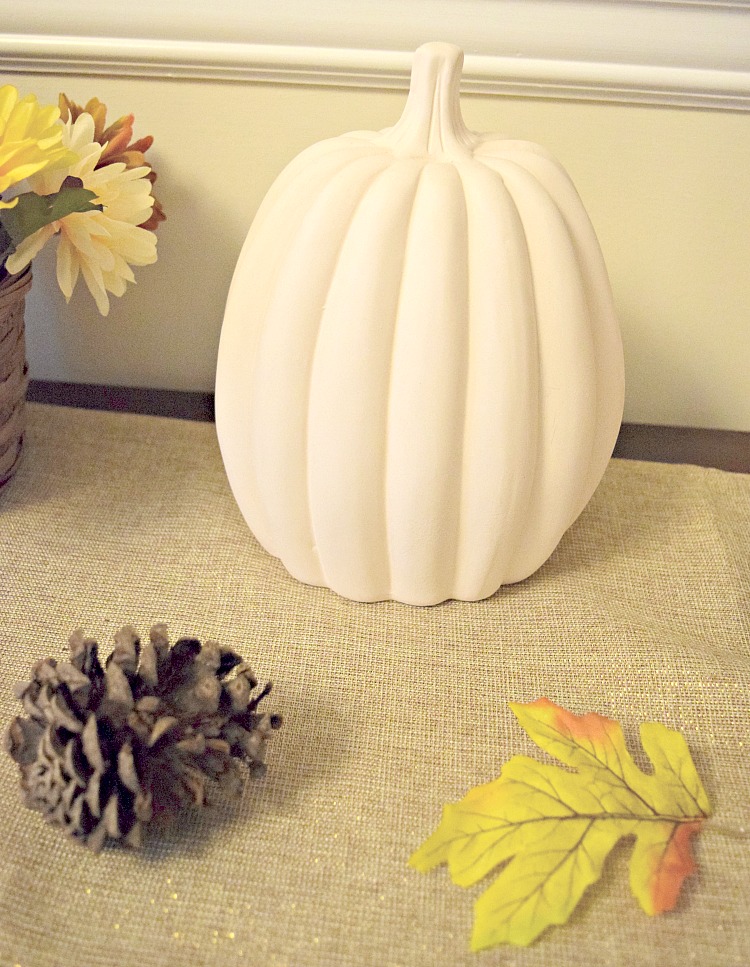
(389, 712)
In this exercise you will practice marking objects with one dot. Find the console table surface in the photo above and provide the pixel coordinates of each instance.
(390, 711)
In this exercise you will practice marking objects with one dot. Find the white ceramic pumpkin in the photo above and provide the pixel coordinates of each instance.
(420, 373)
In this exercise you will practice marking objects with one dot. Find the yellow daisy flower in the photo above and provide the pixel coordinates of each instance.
(30, 139)
(116, 144)
(99, 245)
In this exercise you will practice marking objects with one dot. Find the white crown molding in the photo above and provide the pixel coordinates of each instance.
(691, 53)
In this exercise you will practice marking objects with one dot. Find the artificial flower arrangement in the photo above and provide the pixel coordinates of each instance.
(64, 173)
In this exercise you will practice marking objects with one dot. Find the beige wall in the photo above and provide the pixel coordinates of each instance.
(668, 191)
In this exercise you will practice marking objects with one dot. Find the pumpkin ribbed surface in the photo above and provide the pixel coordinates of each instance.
(420, 373)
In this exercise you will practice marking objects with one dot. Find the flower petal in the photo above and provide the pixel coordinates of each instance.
(99, 245)
(29, 248)
(31, 137)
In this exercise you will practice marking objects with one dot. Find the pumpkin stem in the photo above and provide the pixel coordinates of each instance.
(432, 123)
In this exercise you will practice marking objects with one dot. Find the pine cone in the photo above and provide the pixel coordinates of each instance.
(103, 752)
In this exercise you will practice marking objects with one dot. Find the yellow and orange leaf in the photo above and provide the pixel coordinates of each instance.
(550, 830)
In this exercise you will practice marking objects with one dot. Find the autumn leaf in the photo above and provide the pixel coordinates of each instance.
(553, 828)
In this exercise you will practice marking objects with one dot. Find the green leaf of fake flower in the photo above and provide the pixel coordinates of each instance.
(33, 212)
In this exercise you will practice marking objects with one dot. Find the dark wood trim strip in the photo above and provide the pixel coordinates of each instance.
(180, 404)
(724, 449)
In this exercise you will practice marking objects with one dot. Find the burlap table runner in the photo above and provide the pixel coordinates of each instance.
(390, 711)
